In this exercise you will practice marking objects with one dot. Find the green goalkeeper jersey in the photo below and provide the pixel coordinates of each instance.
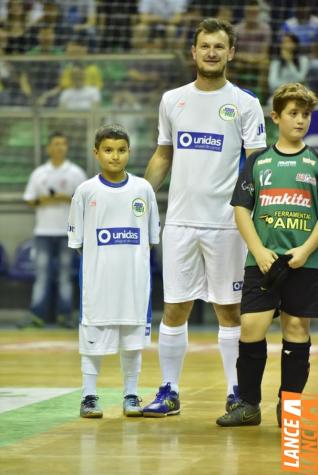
(281, 191)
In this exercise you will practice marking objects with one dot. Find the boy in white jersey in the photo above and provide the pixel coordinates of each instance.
(203, 127)
(113, 221)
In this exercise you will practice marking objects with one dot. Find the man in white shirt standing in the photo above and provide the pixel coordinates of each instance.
(49, 190)
(205, 129)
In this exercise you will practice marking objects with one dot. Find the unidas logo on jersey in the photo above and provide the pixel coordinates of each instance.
(200, 141)
(113, 236)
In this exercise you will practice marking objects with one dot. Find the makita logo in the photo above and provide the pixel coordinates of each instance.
(112, 236)
(285, 196)
(200, 141)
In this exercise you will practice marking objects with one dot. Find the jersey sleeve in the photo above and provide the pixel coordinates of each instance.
(76, 222)
(154, 220)
(165, 134)
(253, 125)
(244, 191)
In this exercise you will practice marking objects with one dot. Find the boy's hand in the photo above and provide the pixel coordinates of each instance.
(299, 258)
(265, 258)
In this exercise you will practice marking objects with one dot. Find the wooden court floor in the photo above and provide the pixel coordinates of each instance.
(41, 433)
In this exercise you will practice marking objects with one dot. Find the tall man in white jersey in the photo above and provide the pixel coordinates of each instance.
(206, 128)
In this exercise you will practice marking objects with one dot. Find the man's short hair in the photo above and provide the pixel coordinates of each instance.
(297, 92)
(56, 134)
(112, 131)
(213, 25)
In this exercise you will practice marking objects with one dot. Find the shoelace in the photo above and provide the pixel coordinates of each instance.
(91, 401)
(133, 400)
(161, 394)
(235, 405)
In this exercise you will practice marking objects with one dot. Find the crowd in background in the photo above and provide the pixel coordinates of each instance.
(276, 42)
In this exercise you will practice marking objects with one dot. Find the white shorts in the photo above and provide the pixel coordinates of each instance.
(110, 339)
(202, 263)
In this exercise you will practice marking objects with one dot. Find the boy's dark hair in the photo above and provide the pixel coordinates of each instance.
(55, 134)
(294, 92)
(213, 25)
(113, 131)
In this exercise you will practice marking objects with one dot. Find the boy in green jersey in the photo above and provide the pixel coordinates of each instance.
(276, 211)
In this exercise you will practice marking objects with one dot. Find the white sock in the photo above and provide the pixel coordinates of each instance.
(90, 370)
(131, 366)
(228, 339)
(173, 343)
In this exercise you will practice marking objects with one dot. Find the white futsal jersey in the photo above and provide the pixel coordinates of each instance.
(208, 131)
(114, 225)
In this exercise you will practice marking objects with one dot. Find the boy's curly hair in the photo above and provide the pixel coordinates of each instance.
(297, 92)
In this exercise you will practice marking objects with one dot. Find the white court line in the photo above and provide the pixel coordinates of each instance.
(73, 345)
(14, 398)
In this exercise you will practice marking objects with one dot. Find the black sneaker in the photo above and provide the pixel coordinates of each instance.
(241, 414)
(90, 407)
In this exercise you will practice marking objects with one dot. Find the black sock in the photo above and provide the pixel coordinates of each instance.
(250, 368)
(294, 366)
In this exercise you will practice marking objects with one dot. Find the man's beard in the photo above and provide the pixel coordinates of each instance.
(206, 74)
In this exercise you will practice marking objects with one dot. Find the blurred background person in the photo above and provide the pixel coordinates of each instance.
(50, 16)
(290, 66)
(77, 47)
(17, 27)
(252, 51)
(15, 89)
(303, 24)
(50, 189)
(43, 75)
(312, 75)
(114, 22)
(79, 96)
(157, 24)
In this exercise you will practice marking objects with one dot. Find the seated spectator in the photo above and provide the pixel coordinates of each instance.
(16, 26)
(250, 67)
(114, 24)
(80, 14)
(157, 25)
(290, 66)
(44, 75)
(304, 25)
(46, 42)
(14, 86)
(312, 76)
(51, 17)
(77, 46)
(79, 96)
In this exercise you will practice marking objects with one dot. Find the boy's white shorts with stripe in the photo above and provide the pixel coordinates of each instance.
(110, 339)
(202, 263)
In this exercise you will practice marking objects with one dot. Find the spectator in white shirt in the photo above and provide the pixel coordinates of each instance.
(79, 96)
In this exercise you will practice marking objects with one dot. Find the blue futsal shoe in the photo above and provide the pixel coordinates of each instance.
(232, 398)
(167, 403)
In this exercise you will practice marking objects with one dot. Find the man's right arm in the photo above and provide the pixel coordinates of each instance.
(159, 166)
